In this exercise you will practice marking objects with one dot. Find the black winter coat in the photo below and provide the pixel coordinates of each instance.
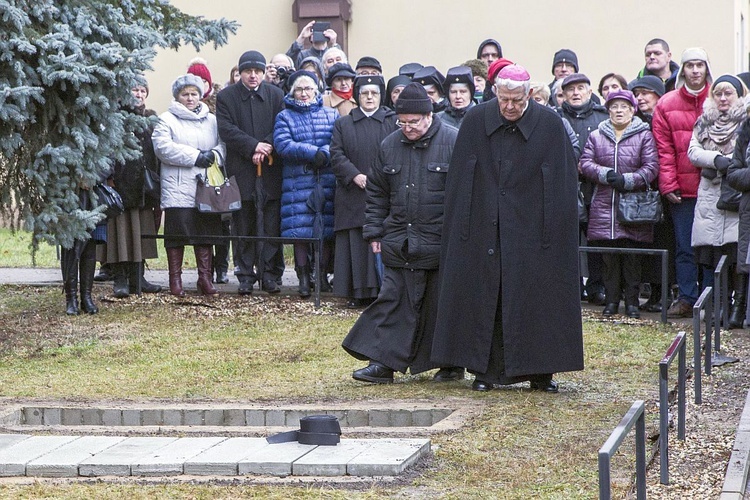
(511, 225)
(245, 118)
(128, 177)
(405, 196)
(584, 120)
(738, 176)
(354, 150)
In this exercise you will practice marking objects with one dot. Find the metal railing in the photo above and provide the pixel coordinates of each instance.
(677, 349)
(721, 306)
(704, 303)
(634, 417)
(316, 242)
(642, 251)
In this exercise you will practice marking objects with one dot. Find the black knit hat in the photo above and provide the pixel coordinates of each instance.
(369, 62)
(363, 80)
(731, 80)
(339, 70)
(648, 82)
(566, 56)
(252, 59)
(459, 74)
(413, 100)
(301, 72)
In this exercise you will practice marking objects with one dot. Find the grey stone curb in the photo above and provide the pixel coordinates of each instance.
(735, 480)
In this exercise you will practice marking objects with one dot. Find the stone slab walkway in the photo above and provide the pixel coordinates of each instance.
(97, 456)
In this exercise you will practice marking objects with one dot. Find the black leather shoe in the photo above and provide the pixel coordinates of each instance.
(481, 386)
(374, 373)
(245, 288)
(610, 309)
(449, 374)
(270, 286)
(632, 312)
(597, 298)
(221, 277)
(548, 386)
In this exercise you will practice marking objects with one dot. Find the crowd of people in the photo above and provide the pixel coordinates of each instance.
(417, 182)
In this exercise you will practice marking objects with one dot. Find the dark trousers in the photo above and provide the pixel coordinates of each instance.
(253, 257)
(622, 273)
(221, 250)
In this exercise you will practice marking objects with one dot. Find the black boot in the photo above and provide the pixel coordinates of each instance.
(739, 305)
(105, 273)
(69, 265)
(303, 274)
(87, 268)
(653, 304)
(134, 276)
(120, 287)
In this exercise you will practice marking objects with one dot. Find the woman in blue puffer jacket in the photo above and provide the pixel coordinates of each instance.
(302, 138)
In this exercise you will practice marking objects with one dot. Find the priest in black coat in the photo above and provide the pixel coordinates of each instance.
(509, 298)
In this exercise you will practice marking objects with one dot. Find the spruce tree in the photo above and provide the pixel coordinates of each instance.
(66, 71)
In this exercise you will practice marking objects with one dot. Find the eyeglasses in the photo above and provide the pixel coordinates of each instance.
(409, 124)
(306, 90)
(370, 93)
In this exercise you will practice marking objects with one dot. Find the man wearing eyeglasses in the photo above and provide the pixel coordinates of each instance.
(511, 218)
(404, 223)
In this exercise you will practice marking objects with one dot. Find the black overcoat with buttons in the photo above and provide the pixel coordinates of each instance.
(511, 234)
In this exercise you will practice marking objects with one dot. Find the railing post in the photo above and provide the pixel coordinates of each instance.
(634, 417)
(721, 303)
(697, 344)
(676, 349)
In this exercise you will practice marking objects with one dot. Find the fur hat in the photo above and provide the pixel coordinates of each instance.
(648, 82)
(252, 59)
(566, 56)
(621, 94)
(693, 54)
(188, 80)
(413, 100)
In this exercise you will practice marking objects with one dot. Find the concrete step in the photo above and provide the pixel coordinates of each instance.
(93, 456)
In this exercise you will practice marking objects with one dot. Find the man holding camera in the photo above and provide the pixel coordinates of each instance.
(278, 70)
(321, 37)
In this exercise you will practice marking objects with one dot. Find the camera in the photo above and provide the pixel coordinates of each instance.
(282, 72)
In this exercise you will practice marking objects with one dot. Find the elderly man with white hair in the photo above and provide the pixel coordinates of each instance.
(511, 218)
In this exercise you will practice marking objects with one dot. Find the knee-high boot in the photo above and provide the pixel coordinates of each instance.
(205, 270)
(737, 316)
(87, 268)
(69, 265)
(303, 274)
(174, 261)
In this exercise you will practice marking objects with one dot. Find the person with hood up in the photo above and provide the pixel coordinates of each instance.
(489, 51)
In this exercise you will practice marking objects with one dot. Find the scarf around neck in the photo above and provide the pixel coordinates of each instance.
(344, 95)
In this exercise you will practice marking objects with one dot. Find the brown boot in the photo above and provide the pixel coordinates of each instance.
(174, 260)
(205, 270)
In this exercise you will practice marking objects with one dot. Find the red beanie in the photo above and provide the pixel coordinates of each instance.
(198, 68)
(495, 68)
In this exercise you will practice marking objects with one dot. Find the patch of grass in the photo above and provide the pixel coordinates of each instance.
(257, 349)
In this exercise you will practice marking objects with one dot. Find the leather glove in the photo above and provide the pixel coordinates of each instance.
(320, 159)
(616, 180)
(205, 159)
(722, 163)
(709, 173)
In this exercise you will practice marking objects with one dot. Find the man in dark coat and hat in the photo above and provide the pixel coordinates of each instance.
(403, 222)
(246, 113)
(510, 218)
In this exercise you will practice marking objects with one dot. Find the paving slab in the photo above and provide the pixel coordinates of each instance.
(13, 459)
(117, 460)
(330, 460)
(387, 457)
(8, 440)
(169, 460)
(222, 459)
(274, 459)
(63, 461)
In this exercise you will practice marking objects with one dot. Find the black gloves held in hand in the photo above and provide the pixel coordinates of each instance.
(205, 159)
(708, 173)
(722, 163)
(320, 159)
(616, 180)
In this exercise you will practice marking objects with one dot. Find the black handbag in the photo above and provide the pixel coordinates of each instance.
(151, 185)
(729, 198)
(217, 199)
(639, 207)
(106, 195)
